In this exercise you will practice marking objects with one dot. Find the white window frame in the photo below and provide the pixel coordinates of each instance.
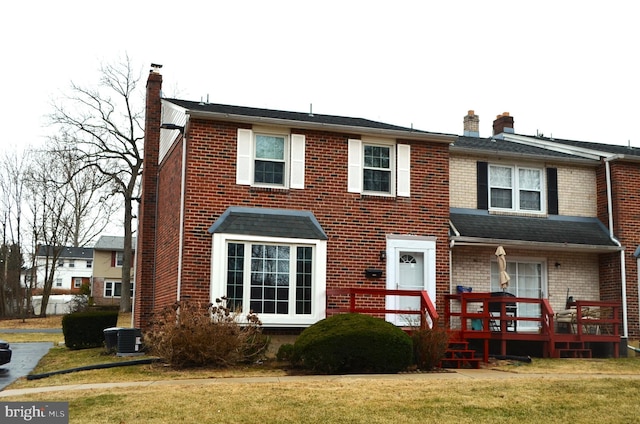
(119, 259)
(77, 282)
(111, 286)
(89, 263)
(294, 157)
(72, 263)
(399, 167)
(318, 303)
(515, 188)
(58, 282)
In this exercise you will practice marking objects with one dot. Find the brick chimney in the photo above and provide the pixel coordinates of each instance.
(471, 125)
(503, 124)
(145, 251)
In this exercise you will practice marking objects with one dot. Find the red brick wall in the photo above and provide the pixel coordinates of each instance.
(145, 251)
(356, 224)
(168, 229)
(626, 222)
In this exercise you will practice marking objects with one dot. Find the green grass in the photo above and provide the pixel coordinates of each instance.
(547, 390)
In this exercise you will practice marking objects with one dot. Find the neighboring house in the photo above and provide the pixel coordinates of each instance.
(72, 268)
(547, 203)
(272, 208)
(106, 288)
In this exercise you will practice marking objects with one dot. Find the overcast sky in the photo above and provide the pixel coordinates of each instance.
(567, 69)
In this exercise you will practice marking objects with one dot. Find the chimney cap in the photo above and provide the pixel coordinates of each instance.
(155, 67)
(471, 112)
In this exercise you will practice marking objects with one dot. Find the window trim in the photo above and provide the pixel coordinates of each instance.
(116, 262)
(218, 286)
(400, 167)
(515, 188)
(294, 157)
(113, 284)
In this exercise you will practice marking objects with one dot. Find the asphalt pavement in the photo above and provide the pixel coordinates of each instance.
(24, 359)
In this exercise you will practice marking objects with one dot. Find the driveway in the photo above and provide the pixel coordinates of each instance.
(25, 357)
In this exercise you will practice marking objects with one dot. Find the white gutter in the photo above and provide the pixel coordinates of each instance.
(407, 134)
(183, 188)
(623, 271)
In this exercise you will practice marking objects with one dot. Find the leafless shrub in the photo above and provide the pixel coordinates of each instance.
(188, 334)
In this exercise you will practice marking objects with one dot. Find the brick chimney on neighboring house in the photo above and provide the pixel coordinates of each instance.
(503, 124)
(471, 125)
(145, 251)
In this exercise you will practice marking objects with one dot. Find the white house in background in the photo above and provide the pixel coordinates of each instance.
(72, 267)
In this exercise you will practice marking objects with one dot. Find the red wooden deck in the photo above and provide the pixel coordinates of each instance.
(487, 320)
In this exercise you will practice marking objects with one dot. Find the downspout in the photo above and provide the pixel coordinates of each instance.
(183, 188)
(623, 271)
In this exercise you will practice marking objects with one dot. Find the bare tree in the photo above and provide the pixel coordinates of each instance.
(50, 218)
(12, 169)
(106, 124)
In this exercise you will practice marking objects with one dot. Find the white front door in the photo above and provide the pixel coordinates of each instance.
(410, 266)
(410, 277)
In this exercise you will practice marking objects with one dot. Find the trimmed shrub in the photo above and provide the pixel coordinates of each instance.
(429, 346)
(353, 343)
(193, 335)
(285, 352)
(84, 330)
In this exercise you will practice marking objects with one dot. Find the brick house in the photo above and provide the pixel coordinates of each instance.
(107, 270)
(272, 208)
(548, 203)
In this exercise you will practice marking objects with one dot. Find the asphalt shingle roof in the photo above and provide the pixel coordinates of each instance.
(264, 222)
(290, 116)
(67, 252)
(560, 230)
(498, 146)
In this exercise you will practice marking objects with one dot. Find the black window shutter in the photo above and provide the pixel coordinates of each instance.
(483, 185)
(552, 191)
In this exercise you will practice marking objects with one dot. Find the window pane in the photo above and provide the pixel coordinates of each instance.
(303, 280)
(377, 180)
(530, 200)
(269, 147)
(529, 179)
(235, 275)
(269, 172)
(500, 176)
(377, 157)
(269, 269)
(501, 198)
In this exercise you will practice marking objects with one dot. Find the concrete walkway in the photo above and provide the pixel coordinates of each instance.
(459, 375)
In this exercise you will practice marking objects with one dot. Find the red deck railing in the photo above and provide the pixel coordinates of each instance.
(373, 302)
(485, 317)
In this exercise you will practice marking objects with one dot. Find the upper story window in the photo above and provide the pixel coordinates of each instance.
(270, 158)
(89, 263)
(119, 259)
(379, 167)
(60, 263)
(72, 263)
(515, 188)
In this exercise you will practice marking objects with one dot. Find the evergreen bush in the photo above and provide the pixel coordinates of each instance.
(353, 343)
(84, 330)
